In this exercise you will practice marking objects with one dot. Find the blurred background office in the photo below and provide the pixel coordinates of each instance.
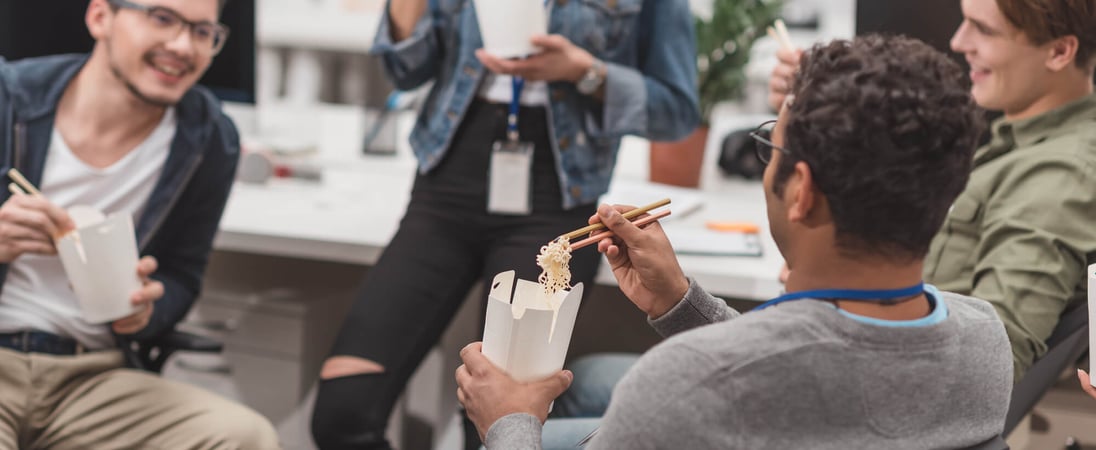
(297, 79)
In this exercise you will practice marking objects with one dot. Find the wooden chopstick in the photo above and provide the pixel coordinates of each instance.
(780, 34)
(783, 31)
(15, 189)
(627, 216)
(19, 179)
(641, 222)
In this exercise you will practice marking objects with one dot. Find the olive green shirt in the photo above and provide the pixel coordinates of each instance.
(1022, 233)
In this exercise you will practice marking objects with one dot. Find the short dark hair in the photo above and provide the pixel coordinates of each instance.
(888, 128)
(1045, 20)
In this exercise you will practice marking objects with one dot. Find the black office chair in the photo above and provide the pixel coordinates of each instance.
(1066, 344)
(151, 354)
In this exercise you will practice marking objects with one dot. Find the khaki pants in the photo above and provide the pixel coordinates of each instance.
(90, 402)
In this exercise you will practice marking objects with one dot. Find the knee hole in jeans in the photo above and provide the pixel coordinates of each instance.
(345, 366)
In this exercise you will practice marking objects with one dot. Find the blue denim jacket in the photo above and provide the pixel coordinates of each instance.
(184, 208)
(648, 46)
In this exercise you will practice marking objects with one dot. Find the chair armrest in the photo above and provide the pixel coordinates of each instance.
(182, 340)
(151, 354)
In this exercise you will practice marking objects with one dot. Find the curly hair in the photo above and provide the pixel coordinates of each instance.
(888, 128)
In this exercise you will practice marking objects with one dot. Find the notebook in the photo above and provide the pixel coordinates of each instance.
(697, 240)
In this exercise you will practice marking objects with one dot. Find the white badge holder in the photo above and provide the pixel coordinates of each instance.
(510, 178)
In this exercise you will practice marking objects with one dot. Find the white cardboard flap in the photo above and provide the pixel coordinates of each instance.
(525, 336)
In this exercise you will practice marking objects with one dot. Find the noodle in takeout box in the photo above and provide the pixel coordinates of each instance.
(529, 324)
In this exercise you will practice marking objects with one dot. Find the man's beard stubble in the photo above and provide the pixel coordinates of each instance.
(117, 72)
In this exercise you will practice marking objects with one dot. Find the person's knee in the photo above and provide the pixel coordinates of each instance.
(247, 429)
(221, 423)
(595, 378)
(601, 371)
(345, 366)
(349, 414)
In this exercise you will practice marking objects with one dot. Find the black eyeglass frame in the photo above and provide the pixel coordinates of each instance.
(764, 147)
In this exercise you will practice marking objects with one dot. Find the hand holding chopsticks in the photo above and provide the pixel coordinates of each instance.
(644, 264)
(780, 35)
(55, 225)
(783, 74)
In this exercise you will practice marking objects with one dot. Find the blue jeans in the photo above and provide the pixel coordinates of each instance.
(578, 411)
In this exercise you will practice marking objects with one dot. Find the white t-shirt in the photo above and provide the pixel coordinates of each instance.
(36, 293)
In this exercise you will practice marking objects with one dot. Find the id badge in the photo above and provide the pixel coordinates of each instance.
(508, 189)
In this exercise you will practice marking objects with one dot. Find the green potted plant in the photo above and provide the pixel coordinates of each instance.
(723, 44)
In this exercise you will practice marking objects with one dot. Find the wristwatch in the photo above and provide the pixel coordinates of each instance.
(592, 80)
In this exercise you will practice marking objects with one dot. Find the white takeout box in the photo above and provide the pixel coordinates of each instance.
(528, 338)
(507, 26)
(100, 260)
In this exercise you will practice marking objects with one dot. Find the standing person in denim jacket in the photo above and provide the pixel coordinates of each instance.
(608, 68)
(126, 131)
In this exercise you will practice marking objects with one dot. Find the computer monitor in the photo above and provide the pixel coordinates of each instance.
(932, 21)
(46, 27)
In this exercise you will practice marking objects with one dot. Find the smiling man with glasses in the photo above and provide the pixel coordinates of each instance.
(125, 131)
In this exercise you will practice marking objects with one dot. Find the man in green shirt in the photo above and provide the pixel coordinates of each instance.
(1022, 233)
(1024, 230)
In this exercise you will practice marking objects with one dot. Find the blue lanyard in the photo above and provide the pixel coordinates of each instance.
(881, 296)
(518, 84)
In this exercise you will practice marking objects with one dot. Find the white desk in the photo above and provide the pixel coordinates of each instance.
(355, 211)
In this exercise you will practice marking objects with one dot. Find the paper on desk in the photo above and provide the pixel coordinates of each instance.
(528, 338)
(698, 240)
(623, 192)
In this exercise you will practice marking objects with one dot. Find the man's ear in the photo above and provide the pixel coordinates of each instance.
(1062, 53)
(800, 193)
(98, 18)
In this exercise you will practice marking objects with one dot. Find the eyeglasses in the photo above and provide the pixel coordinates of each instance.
(208, 37)
(762, 137)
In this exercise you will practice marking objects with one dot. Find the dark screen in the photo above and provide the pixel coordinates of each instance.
(932, 21)
(46, 27)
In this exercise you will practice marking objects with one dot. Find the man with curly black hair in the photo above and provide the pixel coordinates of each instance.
(862, 166)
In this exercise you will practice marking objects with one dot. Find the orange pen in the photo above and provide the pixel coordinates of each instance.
(733, 227)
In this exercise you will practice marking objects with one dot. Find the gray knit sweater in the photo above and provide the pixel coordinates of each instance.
(801, 375)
